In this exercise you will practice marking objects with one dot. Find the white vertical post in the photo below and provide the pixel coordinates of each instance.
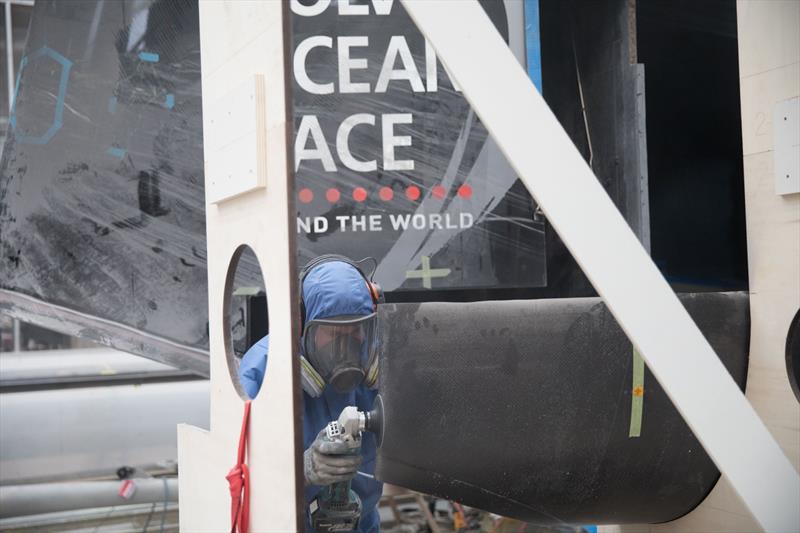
(613, 259)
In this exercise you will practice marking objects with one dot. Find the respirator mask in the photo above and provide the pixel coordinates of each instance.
(343, 350)
(340, 350)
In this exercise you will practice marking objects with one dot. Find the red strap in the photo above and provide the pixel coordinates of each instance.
(239, 481)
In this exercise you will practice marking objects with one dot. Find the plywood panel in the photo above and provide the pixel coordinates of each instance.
(239, 42)
(760, 51)
(759, 94)
(773, 240)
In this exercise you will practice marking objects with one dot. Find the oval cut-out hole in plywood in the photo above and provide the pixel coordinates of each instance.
(246, 322)
(793, 355)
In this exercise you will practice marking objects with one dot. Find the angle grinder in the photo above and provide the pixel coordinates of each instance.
(337, 507)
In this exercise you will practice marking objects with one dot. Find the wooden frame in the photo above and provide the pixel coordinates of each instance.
(242, 43)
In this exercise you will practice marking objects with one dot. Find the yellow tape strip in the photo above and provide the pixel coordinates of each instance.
(637, 395)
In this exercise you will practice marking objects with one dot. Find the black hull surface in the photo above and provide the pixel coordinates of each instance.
(524, 408)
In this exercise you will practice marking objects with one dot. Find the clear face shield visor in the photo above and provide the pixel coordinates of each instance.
(342, 349)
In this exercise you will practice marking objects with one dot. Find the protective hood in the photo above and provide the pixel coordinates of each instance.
(339, 338)
(335, 289)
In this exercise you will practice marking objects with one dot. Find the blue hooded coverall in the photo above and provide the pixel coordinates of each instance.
(330, 289)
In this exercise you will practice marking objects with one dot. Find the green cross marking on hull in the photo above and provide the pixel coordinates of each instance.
(427, 273)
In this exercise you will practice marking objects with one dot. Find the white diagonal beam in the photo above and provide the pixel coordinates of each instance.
(609, 253)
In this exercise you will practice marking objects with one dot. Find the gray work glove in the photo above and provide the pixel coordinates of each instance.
(324, 462)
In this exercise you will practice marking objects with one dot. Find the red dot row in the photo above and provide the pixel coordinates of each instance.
(386, 194)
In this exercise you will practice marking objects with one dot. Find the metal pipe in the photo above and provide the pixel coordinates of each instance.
(40, 498)
(108, 427)
(125, 519)
(9, 56)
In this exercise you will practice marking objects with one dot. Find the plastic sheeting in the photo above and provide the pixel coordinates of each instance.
(101, 181)
(408, 174)
(101, 194)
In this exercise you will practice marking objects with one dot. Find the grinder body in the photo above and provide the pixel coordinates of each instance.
(337, 506)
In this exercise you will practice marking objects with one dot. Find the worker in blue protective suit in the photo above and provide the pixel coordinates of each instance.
(339, 367)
